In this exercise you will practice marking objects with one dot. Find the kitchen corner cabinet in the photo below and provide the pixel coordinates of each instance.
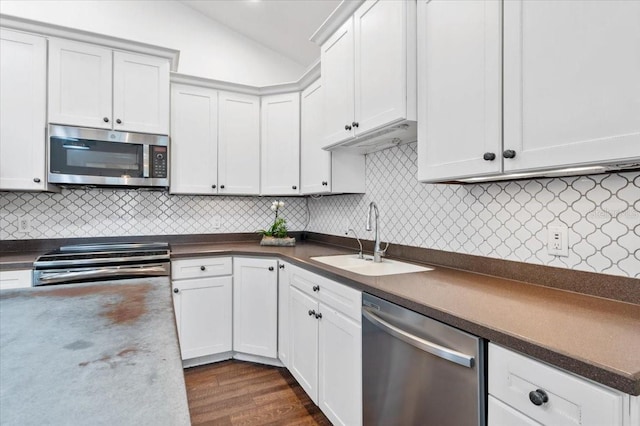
(238, 144)
(23, 78)
(280, 144)
(194, 140)
(323, 172)
(255, 306)
(524, 391)
(376, 44)
(93, 86)
(325, 344)
(202, 299)
(569, 86)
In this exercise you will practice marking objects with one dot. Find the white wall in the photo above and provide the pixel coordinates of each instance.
(207, 48)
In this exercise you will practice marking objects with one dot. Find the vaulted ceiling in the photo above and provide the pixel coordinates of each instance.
(281, 25)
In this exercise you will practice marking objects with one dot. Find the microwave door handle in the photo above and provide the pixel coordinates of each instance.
(145, 160)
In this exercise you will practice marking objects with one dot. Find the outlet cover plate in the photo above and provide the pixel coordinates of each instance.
(558, 240)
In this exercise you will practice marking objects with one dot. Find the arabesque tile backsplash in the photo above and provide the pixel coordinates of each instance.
(506, 220)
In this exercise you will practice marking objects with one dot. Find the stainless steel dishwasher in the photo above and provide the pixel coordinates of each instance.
(419, 371)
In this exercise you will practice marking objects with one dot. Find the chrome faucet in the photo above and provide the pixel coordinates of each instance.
(377, 251)
(360, 255)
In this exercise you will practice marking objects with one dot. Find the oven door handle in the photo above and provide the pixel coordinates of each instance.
(61, 277)
(418, 342)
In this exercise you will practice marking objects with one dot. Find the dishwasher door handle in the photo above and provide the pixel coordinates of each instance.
(418, 342)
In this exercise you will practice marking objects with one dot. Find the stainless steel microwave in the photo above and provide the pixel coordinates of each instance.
(83, 156)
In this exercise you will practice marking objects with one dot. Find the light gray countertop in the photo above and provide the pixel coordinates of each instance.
(97, 353)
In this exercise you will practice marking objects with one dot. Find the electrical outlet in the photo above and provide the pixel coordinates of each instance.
(215, 222)
(24, 224)
(558, 240)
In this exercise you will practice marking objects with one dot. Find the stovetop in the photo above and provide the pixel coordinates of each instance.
(100, 254)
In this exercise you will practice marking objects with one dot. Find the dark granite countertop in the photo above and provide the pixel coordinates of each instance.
(594, 337)
(100, 353)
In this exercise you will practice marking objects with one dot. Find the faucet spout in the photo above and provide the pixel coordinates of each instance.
(375, 213)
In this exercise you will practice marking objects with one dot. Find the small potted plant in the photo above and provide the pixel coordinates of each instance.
(276, 234)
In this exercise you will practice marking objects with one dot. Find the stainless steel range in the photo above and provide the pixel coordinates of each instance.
(97, 262)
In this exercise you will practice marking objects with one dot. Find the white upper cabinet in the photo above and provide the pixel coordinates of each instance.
(315, 163)
(280, 144)
(323, 171)
(336, 59)
(571, 83)
(459, 89)
(23, 76)
(92, 86)
(80, 84)
(140, 93)
(194, 140)
(566, 73)
(368, 71)
(239, 144)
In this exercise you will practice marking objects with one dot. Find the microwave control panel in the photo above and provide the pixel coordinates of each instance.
(158, 161)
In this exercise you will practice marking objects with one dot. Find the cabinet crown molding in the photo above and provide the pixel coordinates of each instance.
(338, 17)
(310, 75)
(52, 30)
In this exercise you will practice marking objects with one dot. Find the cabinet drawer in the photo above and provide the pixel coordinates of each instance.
(339, 296)
(201, 267)
(571, 400)
(500, 414)
(15, 279)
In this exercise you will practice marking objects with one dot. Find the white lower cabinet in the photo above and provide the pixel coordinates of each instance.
(21, 278)
(255, 306)
(325, 344)
(202, 297)
(283, 312)
(524, 391)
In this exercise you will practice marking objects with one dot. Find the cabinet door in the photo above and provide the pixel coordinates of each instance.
(203, 315)
(303, 341)
(255, 306)
(140, 93)
(459, 89)
(315, 163)
(23, 74)
(80, 82)
(340, 368)
(16, 279)
(336, 56)
(571, 86)
(239, 144)
(194, 140)
(280, 144)
(500, 414)
(380, 63)
(283, 312)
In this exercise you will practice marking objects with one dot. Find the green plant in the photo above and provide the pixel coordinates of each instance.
(279, 227)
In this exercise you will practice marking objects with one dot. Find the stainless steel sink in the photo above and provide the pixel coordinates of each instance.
(366, 266)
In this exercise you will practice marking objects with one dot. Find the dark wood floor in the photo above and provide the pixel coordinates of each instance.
(243, 393)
